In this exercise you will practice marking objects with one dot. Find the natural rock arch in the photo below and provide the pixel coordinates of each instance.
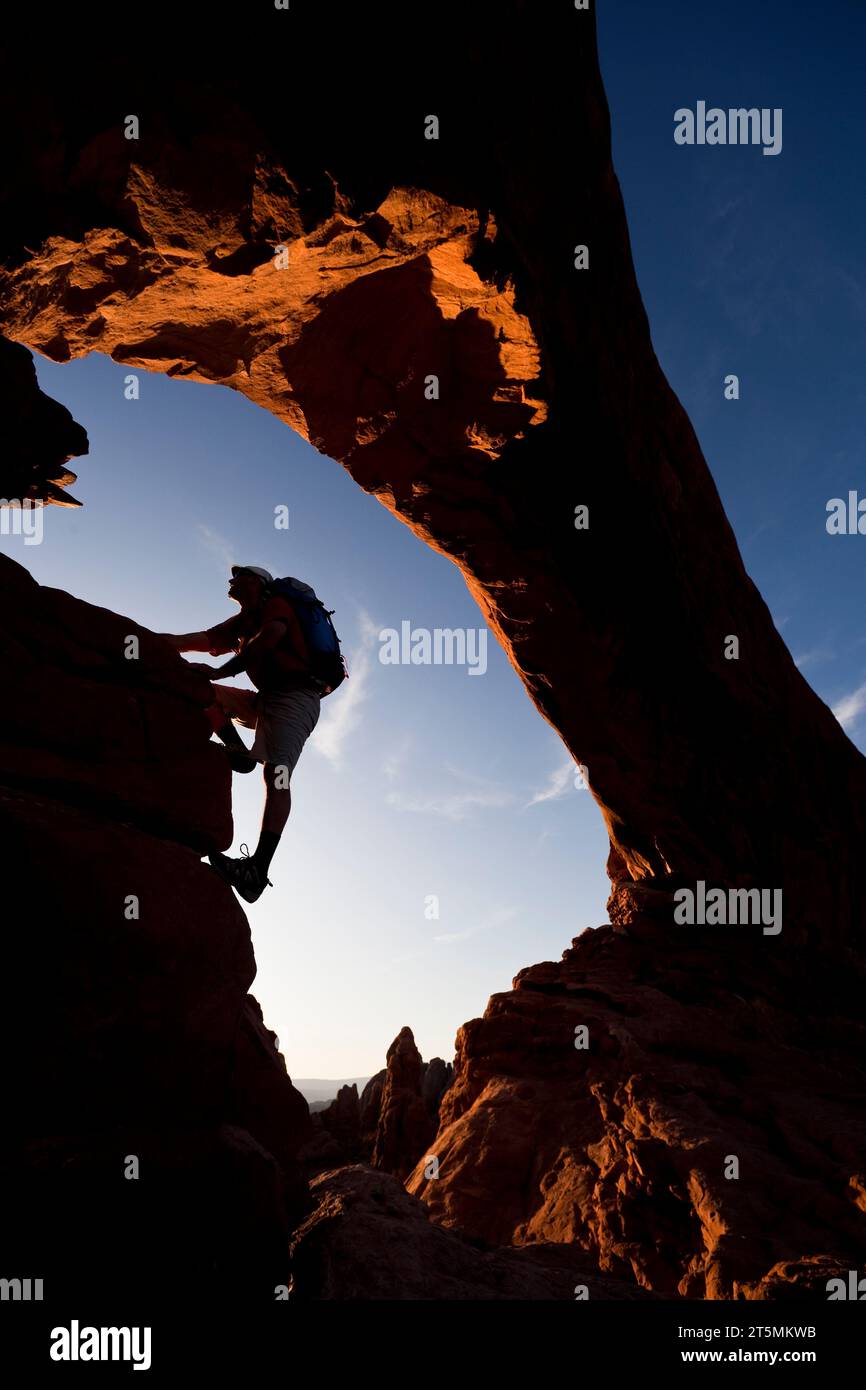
(409, 257)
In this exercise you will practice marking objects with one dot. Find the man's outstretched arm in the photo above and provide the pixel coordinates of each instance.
(188, 641)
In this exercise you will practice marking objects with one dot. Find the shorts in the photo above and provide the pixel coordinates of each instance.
(283, 720)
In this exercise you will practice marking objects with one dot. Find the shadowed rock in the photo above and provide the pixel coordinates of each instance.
(39, 435)
(392, 1121)
(140, 1042)
(367, 1239)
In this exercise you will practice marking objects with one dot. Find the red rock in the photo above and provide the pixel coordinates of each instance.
(699, 1049)
(391, 1122)
(367, 1239)
(410, 258)
(406, 1124)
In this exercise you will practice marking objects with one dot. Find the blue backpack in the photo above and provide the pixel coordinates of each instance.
(327, 664)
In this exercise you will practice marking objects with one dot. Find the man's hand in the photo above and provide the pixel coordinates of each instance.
(202, 668)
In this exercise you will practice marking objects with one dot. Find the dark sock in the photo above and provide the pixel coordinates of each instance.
(266, 849)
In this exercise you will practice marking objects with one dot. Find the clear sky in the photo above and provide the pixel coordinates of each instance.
(425, 780)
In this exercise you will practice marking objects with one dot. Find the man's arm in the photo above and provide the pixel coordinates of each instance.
(269, 636)
(188, 641)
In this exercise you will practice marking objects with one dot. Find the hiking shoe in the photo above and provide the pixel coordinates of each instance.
(244, 875)
(235, 748)
(238, 761)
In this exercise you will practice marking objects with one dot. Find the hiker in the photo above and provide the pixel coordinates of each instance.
(268, 639)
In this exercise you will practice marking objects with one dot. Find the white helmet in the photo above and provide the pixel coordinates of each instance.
(267, 579)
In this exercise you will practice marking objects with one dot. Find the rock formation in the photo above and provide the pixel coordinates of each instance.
(411, 305)
(394, 1119)
(368, 1239)
(40, 435)
(332, 267)
(142, 1092)
(370, 1106)
(619, 1140)
(409, 1109)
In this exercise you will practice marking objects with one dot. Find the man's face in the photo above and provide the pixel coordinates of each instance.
(245, 589)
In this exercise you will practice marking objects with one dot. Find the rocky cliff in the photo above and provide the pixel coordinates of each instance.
(151, 1129)
(682, 1108)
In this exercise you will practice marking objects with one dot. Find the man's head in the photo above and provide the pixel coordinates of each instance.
(249, 585)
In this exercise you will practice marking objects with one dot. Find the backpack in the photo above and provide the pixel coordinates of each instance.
(327, 664)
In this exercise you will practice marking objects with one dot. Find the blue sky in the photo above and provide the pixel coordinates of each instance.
(425, 780)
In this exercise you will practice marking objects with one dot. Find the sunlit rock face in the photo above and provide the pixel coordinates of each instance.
(679, 1109)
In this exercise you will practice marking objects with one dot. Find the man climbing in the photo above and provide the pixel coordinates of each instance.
(283, 709)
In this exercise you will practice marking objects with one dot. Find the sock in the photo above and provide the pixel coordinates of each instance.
(266, 849)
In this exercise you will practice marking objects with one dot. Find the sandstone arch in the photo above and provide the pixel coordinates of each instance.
(410, 256)
(455, 257)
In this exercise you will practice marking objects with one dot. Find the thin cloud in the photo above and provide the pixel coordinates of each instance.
(340, 720)
(500, 917)
(815, 655)
(850, 707)
(476, 793)
(395, 761)
(454, 806)
(218, 545)
(559, 783)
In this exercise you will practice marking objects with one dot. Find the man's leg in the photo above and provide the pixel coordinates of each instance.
(229, 704)
(283, 725)
(250, 876)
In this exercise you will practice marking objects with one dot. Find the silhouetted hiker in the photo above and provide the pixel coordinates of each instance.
(291, 672)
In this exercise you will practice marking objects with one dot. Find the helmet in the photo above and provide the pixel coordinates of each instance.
(267, 579)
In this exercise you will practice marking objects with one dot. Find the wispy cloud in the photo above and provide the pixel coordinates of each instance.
(219, 546)
(477, 793)
(850, 707)
(814, 656)
(395, 760)
(559, 783)
(500, 917)
(340, 720)
(452, 805)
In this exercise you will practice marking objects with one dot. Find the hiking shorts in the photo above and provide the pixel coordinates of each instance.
(283, 720)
